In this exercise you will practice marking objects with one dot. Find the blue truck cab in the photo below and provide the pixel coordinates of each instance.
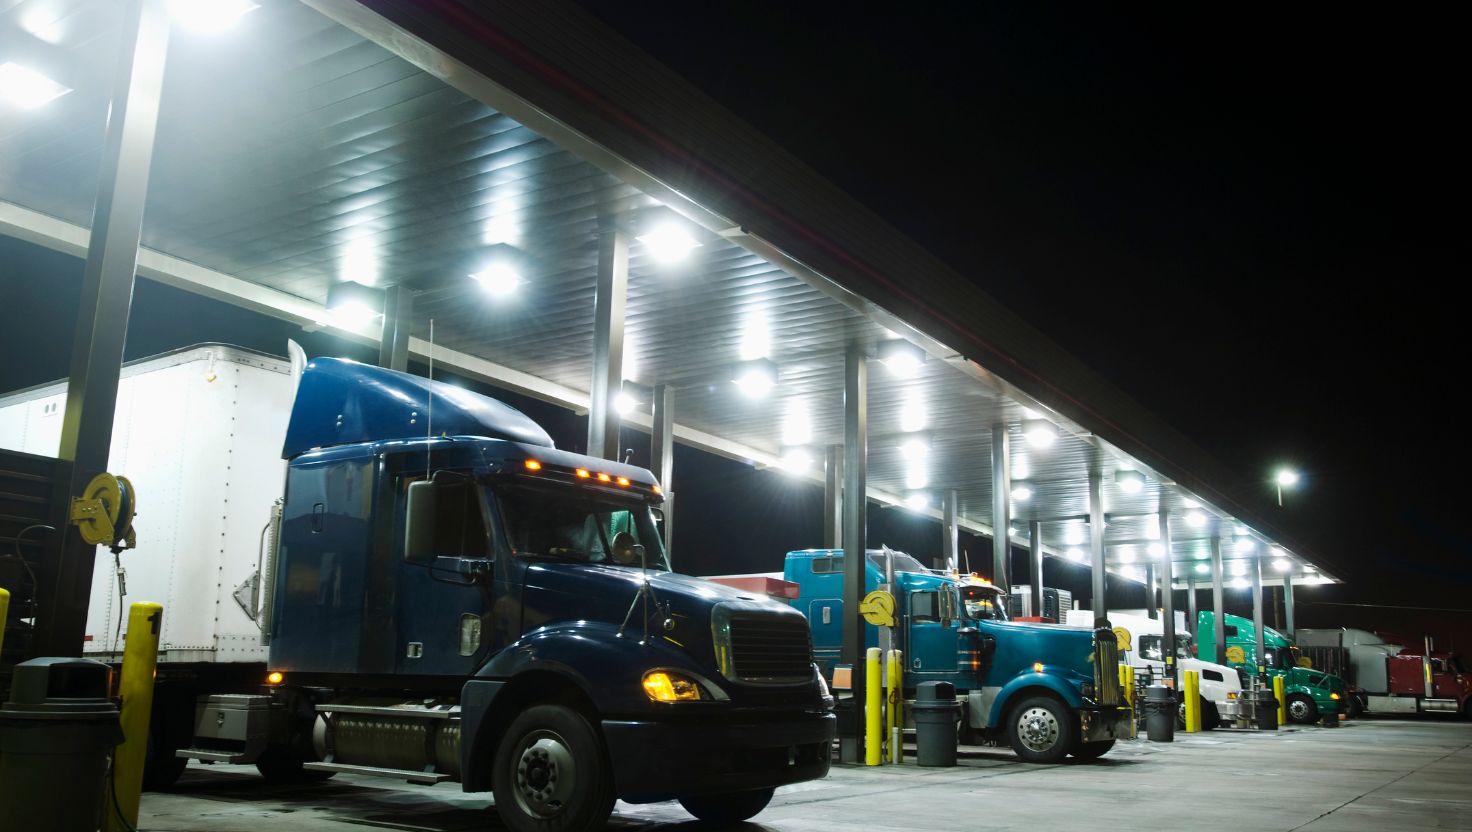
(1033, 686)
(455, 599)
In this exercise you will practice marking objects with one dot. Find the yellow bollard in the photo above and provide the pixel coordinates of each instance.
(1191, 698)
(895, 707)
(140, 659)
(873, 718)
(1280, 694)
(1127, 683)
(4, 613)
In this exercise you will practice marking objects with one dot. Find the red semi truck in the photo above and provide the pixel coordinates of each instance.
(1390, 677)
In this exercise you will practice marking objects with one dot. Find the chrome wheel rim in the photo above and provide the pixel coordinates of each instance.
(544, 774)
(1038, 729)
(1298, 709)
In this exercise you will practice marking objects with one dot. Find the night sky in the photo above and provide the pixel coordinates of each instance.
(1247, 222)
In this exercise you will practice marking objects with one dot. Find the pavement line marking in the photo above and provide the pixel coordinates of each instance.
(1382, 785)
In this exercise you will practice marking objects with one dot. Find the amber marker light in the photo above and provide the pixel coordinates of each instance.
(583, 473)
(532, 465)
(602, 477)
(623, 481)
(656, 489)
(1037, 667)
(274, 677)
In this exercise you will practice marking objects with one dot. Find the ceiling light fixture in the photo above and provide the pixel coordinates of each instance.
(903, 358)
(209, 16)
(1040, 433)
(27, 88)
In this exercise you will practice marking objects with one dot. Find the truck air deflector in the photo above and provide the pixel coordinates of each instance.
(342, 402)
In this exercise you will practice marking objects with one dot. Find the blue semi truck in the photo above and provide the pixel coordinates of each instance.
(1036, 687)
(449, 597)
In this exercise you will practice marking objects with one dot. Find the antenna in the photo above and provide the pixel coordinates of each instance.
(429, 416)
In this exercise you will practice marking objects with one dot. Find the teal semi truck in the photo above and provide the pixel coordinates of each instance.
(1312, 694)
(1034, 686)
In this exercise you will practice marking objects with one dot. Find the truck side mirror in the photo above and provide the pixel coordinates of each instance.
(947, 606)
(419, 522)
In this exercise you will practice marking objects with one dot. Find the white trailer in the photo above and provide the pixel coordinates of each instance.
(199, 432)
(1221, 686)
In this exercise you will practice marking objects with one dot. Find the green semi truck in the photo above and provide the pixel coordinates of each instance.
(1311, 694)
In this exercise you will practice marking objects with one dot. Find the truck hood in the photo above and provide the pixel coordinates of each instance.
(1020, 644)
(605, 592)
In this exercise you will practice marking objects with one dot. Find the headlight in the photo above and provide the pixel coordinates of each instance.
(664, 686)
(1333, 696)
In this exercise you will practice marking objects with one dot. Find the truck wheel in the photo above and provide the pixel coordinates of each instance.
(1211, 718)
(1302, 710)
(1092, 750)
(1353, 707)
(283, 766)
(161, 768)
(732, 807)
(1041, 730)
(550, 774)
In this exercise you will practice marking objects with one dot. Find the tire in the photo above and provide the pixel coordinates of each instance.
(1211, 718)
(732, 807)
(1041, 730)
(283, 766)
(1092, 750)
(161, 768)
(550, 773)
(1302, 710)
(1353, 707)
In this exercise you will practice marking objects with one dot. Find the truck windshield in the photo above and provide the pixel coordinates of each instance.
(902, 562)
(546, 523)
(983, 603)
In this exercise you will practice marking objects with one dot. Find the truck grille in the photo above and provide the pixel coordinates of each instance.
(761, 648)
(1106, 667)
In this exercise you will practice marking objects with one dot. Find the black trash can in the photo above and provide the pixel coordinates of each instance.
(56, 734)
(935, 724)
(1160, 713)
(1266, 709)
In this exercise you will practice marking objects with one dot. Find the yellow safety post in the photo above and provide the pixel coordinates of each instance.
(1279, 693)
(140, 660)
(873, 717)
(4, 613)
(1191, 698)
(1127, 682)
(894, 707)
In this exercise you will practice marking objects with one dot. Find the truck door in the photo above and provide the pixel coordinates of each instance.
(930, 641)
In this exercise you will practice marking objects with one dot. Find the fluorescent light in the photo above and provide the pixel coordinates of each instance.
(1126, 554)
(1286, 477)
(669, 242)
(1196, 519)
(755, 378)
(797, 428)
(351, 314)
(756, 337)
(1152, 527)
(1021, 491)
(916, 476)
(915, 446)
(1156, 550)
(624, 403)
(1073, 535)
(1243, 545)
(1283, 564)
(917, 500)
(1239, 568)
(353, 306)
(1040, 433)
(1130, 482)
(361, 263)
(498, 279)
(1077, 554)
(209, 16)
(1011, 532)
(796, 460)
(1187, 502)
(1240, 583)
(1203, 569)
(1132, 573)
(27, 88)
(912, 416)
(1020, 469)
(903, 358)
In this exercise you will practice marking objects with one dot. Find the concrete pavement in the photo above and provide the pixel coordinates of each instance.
(1366, 775)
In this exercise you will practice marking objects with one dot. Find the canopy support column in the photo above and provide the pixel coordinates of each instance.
(1168, 586)
(1035, 567)
(1001, 507)
(1096, 546)
(855, 469)
(833, 497)
(662, 458)
(951, 538)
(1219, 622)
(608, 343)
(1257, 621)
(1288, 602)
(398, 312)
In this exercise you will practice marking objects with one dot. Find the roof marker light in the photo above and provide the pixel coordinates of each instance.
(583, 473)
(623, 482)
(669, 242)
(602, 477)
(209, 16)
(1040, 433)
(532, 465)
(656, 489)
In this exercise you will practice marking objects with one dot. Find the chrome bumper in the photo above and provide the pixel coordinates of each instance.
(1106, 723)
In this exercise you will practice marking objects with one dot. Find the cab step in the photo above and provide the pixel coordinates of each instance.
(425, 778)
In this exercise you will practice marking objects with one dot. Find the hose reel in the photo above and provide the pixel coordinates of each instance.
(104, 512)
